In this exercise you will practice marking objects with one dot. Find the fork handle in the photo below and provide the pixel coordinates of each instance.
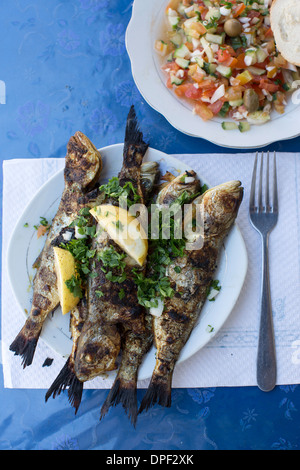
(266, 355)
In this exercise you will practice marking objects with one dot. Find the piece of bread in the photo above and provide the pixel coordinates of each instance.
(285, 24)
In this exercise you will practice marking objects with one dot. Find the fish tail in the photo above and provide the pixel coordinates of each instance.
(133, 135)
(25, 345)
(125, 393)
(159, 391)
(67, 378)
(75, 392)
(133, 138)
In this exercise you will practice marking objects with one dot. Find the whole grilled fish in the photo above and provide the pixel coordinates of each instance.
(113, 302)
(82, 168)
(134, 345)
(190, 276)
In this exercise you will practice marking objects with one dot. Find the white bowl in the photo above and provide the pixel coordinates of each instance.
(144, 28)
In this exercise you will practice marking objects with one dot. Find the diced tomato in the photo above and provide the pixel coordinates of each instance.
(192, 92)
(269, 33)
(240, 61)
(169, 83)
(232, 62)
(208, 92)
(173, 4)
(203, 111)
(171, 66)
(190, 46)
(223, 55)
(234, 93)
(268, 85)
(204, 13)
(181, 89)
(253, 14)
(238, 10)
(216, 107)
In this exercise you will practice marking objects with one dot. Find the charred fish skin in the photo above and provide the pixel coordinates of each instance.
(124, 389)
(112, 303)
(172, 329)
(82, 168)
(67, 379)
(135, 346)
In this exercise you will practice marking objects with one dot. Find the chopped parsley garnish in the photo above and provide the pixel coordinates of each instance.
(126, 192)
(110, 258)
(214, 285)
(75, 286)
(99, 293)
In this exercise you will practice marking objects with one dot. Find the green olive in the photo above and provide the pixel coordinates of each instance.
(251, 100)
(232, 28)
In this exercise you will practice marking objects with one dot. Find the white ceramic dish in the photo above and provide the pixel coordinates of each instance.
(24, 247)
(144, 28)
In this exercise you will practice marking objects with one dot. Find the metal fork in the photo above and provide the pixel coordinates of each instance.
(264, 216)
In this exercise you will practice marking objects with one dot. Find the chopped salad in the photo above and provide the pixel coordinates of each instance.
(221, 57)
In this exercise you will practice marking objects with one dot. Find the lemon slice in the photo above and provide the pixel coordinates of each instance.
(65, 269)
(124, 229)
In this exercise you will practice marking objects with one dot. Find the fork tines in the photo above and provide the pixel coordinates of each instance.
(262, 204)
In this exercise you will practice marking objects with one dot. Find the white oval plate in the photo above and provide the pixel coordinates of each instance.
(24, 247)
(143, 29)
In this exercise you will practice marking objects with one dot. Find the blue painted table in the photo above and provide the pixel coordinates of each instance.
(65, 67)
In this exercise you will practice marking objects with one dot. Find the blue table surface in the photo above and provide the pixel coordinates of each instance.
(66, 68)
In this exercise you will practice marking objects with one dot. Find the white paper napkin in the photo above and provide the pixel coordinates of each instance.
(230, 358)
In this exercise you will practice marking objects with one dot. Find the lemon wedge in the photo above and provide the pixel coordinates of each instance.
(124, 229)
(65, 269)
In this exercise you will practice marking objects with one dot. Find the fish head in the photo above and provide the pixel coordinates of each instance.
(186, 184)
(98, 349)
(83, 162)
(149, 176)
(220, 205)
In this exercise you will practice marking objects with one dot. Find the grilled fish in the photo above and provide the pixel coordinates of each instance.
(112, 303)
(134, 346)
(123, 391)
(190, 276)
(83, 165)
(67, 378)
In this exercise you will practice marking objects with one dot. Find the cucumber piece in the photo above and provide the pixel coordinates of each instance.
(170, 57)
(244, 126)
(176, 39)
(224, 109)
(183, 63)
(261, 55)
(174, 21)
(258, 117)
(199, 61)
(209, 68)
(229, 126)
(175, 80)
(215, 38)
(256, 71)
(250, 57)
(181, 52)
(225, 71)
(236, 103)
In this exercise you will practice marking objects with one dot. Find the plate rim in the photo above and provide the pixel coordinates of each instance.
(172, 161)
(138, 65)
